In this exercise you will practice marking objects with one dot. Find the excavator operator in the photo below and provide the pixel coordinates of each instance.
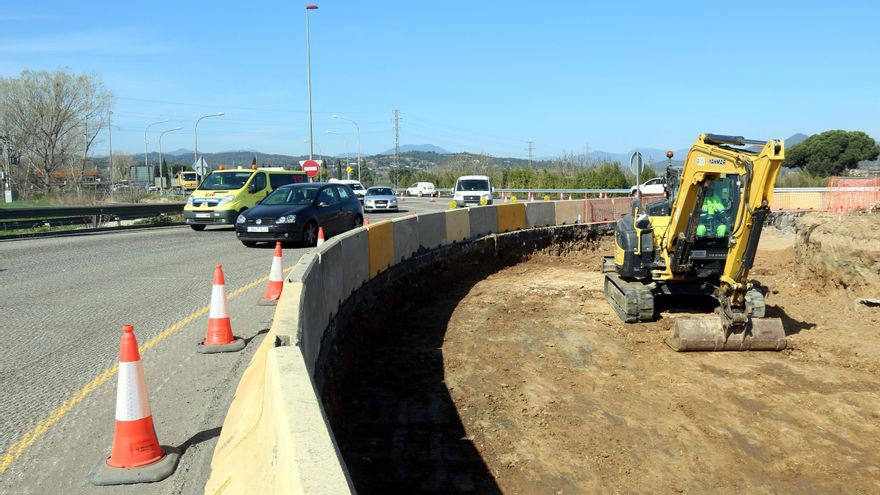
(713, 214)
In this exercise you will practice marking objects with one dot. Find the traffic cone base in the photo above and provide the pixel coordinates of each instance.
(103, 474)
(136, 456)
(236, 345)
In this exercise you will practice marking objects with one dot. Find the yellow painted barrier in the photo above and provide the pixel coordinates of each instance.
(511, 217)
(380, 238)
(458, 225)
(798, 201)
(276, 420)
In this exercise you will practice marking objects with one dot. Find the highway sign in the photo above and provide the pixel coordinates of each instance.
(201, 167)
(310, 167)
(636, 165)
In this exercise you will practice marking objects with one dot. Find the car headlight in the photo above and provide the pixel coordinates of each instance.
(241, 219)
(226, 199)
(189, 200)
(369, 201)
(286, 219)
(393, 200)
(458, 196)
(488, 196)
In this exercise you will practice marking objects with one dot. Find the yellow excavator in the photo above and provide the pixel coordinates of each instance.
(701, 240)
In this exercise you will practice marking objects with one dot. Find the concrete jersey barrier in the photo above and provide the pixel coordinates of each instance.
(276, 437)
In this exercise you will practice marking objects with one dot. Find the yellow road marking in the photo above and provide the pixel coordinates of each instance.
(18, 448)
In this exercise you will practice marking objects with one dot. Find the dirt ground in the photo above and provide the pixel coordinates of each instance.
(559, 396)
(525, 381)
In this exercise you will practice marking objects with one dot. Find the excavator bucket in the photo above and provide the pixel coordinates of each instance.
(707, 334)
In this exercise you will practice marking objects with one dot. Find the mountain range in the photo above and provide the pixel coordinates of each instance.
(421, 152)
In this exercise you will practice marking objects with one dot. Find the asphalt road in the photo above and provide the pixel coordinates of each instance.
(63, 302)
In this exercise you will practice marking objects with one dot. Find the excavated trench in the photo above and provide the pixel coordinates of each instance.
(500, 368)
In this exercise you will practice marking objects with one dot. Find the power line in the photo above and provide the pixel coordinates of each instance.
(531, 150)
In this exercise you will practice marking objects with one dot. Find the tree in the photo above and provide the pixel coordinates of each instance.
(53, 119)
(831, 152)
(120, 169)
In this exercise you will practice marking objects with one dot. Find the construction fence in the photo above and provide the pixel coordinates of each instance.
(843, 195)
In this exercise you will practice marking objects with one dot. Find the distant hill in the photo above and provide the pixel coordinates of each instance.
(417, 147)
(795, 139)
(178, 152)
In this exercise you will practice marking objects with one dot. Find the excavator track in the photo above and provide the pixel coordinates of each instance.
(633, 301)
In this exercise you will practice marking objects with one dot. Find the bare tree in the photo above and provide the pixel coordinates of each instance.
(53, 119)
(121, 166)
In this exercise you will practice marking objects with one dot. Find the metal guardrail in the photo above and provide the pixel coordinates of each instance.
(622, 191)
(116, 210)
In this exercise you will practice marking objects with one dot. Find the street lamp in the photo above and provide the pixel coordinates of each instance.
(347, 153)
(196, 151)
(146, 164)
(161, 175)
(358, 129)
(309, 74)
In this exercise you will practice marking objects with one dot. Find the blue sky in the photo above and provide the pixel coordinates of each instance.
(474, 76)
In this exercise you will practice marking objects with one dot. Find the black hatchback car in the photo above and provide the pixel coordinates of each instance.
(293, 213)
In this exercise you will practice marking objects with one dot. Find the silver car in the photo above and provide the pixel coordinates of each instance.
(380, 198)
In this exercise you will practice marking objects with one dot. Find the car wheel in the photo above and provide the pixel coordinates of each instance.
(249, 243)
(421, 194)
(197, 227)
(358, 221)
(310, 234)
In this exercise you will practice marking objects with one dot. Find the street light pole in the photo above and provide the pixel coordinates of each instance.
(196, 132)
(347, 153)
(110, 140)
(309, 74)
(161, 176)
(146, 163)
(358, 129)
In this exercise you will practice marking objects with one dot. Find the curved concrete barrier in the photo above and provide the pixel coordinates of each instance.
(276, 437)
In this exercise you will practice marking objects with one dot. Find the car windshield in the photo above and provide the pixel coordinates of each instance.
(225, 180)
(473, 185)
(188, 175)
(357, 186)
(379, 191)
(291, 196)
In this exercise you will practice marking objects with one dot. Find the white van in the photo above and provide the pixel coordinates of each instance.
(472, 190)
(359, 190)
(421, 189)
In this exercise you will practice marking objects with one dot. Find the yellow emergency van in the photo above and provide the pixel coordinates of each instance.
(224, 194)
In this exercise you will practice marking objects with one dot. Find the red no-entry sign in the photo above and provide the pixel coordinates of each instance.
(311, 168)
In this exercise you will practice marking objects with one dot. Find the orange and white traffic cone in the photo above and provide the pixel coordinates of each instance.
(506, 198)
(136, 456)
(276, 280)
(569, 196)
(432, 198)
(219, 337)
(531, 198)
(366, 221)
(561, 197)
(321, 236)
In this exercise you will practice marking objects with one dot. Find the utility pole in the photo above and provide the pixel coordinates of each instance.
(7, 192)
(531, 150)
(110, 139)
(397, 147)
